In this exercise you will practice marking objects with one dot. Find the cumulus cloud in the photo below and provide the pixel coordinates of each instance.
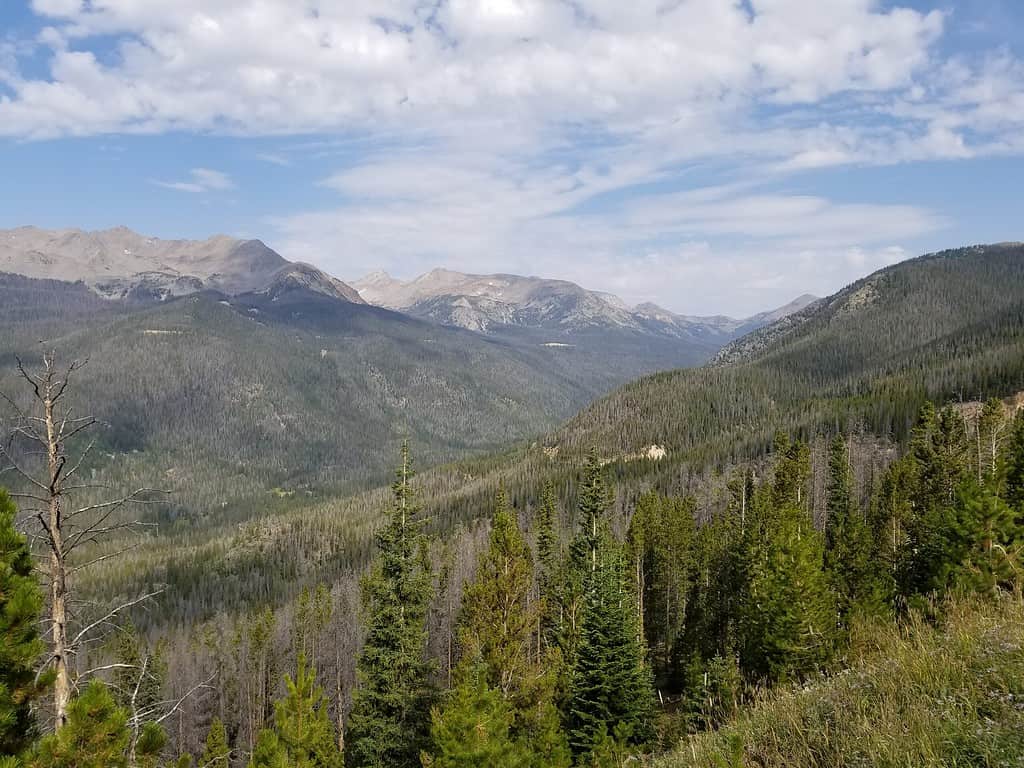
(572, 137)
(285, 66)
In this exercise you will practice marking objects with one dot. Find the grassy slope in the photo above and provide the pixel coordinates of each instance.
(916, 696)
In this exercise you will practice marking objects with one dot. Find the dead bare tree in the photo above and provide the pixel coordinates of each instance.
(47, 481)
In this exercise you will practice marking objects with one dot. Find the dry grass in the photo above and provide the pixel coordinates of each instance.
(913, 696)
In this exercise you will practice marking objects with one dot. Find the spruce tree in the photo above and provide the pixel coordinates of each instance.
(390, 719)
(838, 492)
(303, 732)
(611, 683)
(216, 752)
(20, 644)
(95, 736)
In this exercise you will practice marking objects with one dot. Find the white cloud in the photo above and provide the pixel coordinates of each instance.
(276, 66)
(570, 137)
(701, 250)
(201, 180)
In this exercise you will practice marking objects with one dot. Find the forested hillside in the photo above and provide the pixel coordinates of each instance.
(221, 397)
(582, 600)
(949, 326)
(707, 419)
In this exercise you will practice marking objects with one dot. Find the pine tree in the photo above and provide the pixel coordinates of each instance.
(216, 752)
(849, 549)
(791, 610)
(497, 632)
(390, 718)
(939, 461)
(661, 537)
(303, 732)
(983, 542)
(1014, 466)
(497, 619)
(792, 473)
(20, 644)
(95, 736)
(473, 728)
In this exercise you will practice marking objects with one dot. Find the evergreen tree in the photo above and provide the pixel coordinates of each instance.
(849, 549)
(390, 717)
(548, 564)
(473, 729)
(983, 542)
(611, 684)
(497, 619)
(96, 734)
(792, 473)
(303, 732)
(497, 632)
(1014, 466)
(594, 497)
(791, 611)
(216, 752)
(838, 492)
(939, 465)
(661, 537)
(20, 645)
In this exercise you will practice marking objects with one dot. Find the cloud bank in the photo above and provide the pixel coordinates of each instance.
(590, 139)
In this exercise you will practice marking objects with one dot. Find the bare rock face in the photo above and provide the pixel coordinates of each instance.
(485, 302)
(119, 263)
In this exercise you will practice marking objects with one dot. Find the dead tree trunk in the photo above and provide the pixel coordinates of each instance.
(46, 429)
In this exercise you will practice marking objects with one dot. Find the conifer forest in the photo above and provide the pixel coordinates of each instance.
(807, 551)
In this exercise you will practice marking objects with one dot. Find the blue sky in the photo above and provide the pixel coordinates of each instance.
(708, 155)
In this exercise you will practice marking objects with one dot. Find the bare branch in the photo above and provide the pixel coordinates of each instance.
(179, 702)
(110, 615)
(101, 558)
(131, 498)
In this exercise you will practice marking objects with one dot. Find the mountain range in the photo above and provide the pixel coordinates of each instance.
(121, 264)
(500, 302)
(230, 370)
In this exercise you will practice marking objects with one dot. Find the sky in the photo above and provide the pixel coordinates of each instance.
(711, 156)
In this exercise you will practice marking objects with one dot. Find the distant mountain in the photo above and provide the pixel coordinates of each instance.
(481, 302)
(119, 263)
(487, 303)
